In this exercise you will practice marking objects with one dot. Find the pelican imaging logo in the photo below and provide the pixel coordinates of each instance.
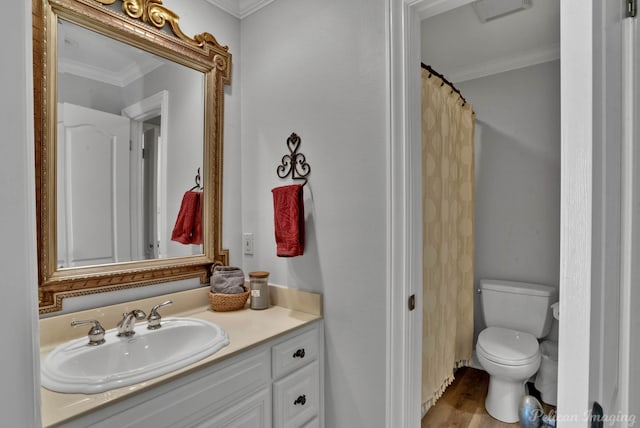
(538, 418)
(532, 415)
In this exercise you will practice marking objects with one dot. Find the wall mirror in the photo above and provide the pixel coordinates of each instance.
(130, 124)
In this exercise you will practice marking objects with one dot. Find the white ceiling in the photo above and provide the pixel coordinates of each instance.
(459, 46)
(87, 54)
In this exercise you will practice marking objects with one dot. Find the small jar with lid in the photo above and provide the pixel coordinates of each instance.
(259, 284)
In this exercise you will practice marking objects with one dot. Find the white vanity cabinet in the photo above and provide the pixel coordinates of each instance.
(275, 384)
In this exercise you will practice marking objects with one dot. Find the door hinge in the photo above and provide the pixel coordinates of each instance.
(412, 302)
(631, 8)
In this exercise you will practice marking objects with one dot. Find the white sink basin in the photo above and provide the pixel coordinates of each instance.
(76, 367)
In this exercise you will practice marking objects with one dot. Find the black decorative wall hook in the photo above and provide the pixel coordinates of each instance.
(295, 163)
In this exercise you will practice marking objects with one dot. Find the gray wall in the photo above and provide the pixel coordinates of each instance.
(517, 175)
(317, 67)
(20, 392)
(90, 93)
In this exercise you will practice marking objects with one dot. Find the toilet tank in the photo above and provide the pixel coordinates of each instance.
(520, 306)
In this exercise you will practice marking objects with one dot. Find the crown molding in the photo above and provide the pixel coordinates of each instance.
(120, 79)
(508, 63)
(240, 8)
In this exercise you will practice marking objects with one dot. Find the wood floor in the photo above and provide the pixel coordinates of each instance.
(462, 404)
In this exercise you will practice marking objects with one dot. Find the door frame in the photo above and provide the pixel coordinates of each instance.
(404, 212)
(629, 404)
(157, 104)
(404, 209)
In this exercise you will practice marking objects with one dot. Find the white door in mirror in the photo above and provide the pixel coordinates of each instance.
(93, 187)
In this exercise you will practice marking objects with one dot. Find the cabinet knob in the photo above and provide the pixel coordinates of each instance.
(300, 400)
(299, 353)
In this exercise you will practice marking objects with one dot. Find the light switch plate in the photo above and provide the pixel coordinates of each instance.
(247, 244)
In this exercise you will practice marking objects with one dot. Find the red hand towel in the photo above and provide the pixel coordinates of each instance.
(196, 236)
(288, 210)
(188, 228)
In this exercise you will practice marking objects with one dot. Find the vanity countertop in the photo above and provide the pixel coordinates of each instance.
(290, 310)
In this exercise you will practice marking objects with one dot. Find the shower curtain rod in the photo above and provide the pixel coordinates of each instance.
(444, 79)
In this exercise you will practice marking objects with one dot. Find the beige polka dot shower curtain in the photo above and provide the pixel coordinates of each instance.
(448, 234)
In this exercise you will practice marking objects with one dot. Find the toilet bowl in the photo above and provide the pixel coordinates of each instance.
(517, 314)
(510, 357)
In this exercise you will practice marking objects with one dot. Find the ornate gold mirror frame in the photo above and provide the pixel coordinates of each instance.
(148, 25)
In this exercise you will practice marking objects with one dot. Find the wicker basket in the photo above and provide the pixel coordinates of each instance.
(221, 302)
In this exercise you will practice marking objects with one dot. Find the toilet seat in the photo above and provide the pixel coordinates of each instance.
(508, 347)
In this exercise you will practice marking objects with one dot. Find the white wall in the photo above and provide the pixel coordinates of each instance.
(517, 175)
(19, 368)
(317, 68)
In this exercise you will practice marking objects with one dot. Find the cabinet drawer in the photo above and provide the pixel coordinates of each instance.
(296, 397)
(294, 353)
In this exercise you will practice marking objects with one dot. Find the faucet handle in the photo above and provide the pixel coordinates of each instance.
(96, 333)
(153, 321)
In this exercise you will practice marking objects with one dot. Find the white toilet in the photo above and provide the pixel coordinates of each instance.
(517, 314)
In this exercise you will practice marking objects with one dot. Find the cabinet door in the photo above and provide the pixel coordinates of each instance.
(254, 412)
(297, 397)
(193, 400)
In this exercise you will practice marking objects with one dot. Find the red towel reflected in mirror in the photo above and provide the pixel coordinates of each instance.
(188, 227)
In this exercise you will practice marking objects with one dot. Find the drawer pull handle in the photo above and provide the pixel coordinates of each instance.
(299, 354)
(300, 400)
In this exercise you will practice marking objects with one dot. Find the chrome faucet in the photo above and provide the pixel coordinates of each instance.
(153, 321)
(128, 321)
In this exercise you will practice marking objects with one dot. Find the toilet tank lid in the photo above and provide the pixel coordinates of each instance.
(528, 288)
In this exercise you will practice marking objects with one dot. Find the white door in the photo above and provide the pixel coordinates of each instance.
(93, 187)
(600, 219)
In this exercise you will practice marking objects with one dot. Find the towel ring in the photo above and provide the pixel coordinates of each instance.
(198, 181)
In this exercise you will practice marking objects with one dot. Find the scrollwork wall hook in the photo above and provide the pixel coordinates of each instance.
(295, 163)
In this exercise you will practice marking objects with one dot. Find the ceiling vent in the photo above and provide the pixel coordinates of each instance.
(488, 10)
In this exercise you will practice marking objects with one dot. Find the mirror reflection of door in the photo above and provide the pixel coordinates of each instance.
(151, 142)
(93, 164)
